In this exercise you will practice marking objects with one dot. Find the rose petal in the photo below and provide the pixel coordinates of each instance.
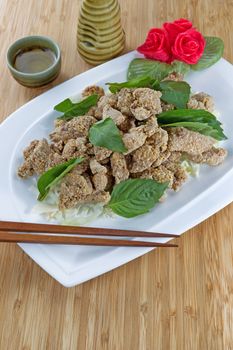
(174, 28)
(189, 46)
(156, 46)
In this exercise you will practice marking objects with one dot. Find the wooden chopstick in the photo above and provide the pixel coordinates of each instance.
(57, 234)
(12, 237)
(77, 230)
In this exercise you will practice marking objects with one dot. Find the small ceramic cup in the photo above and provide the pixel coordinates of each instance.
(40, 78)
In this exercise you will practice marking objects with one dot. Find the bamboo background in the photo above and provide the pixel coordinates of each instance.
(179, 299)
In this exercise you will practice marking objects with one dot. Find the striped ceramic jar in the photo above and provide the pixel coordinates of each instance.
(100, 36)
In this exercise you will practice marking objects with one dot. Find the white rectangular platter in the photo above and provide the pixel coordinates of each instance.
(198, 199)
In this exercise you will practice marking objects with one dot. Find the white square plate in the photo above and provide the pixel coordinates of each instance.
(197, 200)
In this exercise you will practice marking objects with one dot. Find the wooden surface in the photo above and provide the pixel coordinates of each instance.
(179, 299)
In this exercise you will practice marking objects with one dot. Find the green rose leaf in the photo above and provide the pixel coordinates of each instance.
(212, 53)
(134, 197)
(180, 67)
(106, 134)
(142, 67)
(148, 68)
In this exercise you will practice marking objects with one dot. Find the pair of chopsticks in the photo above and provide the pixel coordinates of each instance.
(22, 232)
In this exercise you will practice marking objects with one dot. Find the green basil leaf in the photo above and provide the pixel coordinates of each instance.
(194, 115)
(202, 128)
(198, 120)
(71, 110)
(180, 67)
(106, 134)
(150, 68)
(133, 83)
(53, 175)
(134, 197)
(64, 106)
(175, 92)
(212, 53)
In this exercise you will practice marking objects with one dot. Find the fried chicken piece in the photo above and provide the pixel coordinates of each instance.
(163, 156)
(110, 100)
(93, 112)
(57, 147)
(76, 127)
(90, 149)
(159, 139)
(184, 140)
(82, 167)
(143, 158)
(81, 145)
(104, 161)
(175, 76)
(37, 155)
(166, 106)
(111, 181)
(119, 167)
(146, 103)
(175, 157)
(114, 114)
(213, 157)
(141, 113)
(106, 100)
(100, 181)
(173, 165)
(74, 188)
(160, 174)
(97, 111)
(127, 124)
(134, 139)
(74, 148)
(180, 176)
(54, 159)
(59, 122)
(96, 167)
(26, 169)
(201, 100)
(29, 149)
(93, 89)
(97, 197)
(170, 172)
(101, 153)
(151, 126)
(69, 149)
(125, 99)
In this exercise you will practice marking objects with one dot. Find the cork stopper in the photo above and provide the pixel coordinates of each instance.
(100, 35)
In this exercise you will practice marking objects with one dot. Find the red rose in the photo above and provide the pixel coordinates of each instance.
(188, 46)
(156, 46)
(176, 27)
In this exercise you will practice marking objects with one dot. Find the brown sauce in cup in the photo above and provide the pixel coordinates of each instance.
(34, 59)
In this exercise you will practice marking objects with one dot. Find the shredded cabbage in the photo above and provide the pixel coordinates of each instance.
(190, 167)
(82, 214)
